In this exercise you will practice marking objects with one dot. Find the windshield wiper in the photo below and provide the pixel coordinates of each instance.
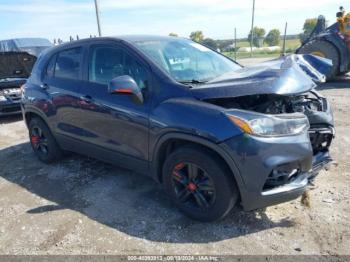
(193, 81)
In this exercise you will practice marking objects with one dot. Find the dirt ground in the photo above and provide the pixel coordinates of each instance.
(82, 206)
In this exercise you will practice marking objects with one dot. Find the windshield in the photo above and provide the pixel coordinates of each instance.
(186, 61)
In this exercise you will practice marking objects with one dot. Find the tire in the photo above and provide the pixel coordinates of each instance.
(328, 50)
(213, 182)
(42, 141)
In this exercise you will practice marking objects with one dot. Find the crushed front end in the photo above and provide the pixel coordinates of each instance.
(312, 104)
(276, 169)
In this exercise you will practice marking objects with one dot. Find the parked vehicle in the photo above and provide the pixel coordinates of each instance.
(17, 57)
(213, 132)
(15, 68)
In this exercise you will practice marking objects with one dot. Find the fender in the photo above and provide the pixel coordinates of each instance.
(201, 141)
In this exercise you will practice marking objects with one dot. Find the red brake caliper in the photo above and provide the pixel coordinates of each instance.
(191, 186)
(177, 168)
(34, 139)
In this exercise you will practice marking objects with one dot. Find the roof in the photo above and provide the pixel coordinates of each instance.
(133, 38)
(126, 38)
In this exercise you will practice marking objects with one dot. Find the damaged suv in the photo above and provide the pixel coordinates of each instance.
(213, 132)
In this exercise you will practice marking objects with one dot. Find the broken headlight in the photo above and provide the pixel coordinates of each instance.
(269, 125)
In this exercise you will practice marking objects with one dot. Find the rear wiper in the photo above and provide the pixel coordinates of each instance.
(193, 81)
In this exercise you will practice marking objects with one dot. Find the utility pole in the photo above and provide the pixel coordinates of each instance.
(98, 18)
(284, 40)
(235, 44)
(252, 31)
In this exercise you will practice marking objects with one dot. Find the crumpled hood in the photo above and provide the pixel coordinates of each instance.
(288, 75)
(16, 65)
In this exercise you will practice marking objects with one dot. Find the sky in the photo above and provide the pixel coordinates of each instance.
(216, 18)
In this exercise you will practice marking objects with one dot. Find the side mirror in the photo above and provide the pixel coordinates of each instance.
(125, 85)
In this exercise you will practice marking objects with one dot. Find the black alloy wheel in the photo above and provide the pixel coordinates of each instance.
(43, 143)
(199, 183)
(39, 141)
(193, 186)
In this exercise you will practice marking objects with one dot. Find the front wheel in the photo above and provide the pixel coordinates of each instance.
(199, 183)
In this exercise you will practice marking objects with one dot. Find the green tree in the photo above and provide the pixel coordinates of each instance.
(273, 37)
(197, 36)
(309, 25)
(258, 35)
(210, 43)
(173, 34)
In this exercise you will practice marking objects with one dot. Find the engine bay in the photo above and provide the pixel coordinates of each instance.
(272, 103)
(313, 105)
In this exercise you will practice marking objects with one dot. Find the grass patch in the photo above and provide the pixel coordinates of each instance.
(291, 46)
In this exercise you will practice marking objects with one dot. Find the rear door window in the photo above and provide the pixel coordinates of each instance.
(68, 64)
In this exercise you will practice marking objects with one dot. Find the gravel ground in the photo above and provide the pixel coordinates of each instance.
(82, 206)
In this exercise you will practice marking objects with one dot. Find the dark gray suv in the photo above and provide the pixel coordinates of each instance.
(213, 132)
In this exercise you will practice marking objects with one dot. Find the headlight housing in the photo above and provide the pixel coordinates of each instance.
(269, 125)
(3, 98)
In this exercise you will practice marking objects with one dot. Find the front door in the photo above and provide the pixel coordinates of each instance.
(115, 122)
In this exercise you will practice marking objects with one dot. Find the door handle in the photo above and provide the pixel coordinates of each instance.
(87, 99)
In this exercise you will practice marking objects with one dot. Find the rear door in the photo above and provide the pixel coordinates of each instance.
(116, 122)
(62, 81)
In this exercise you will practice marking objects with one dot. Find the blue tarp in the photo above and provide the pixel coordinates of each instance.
(31, 45)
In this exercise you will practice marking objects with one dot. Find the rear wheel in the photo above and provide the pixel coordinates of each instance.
(323, 49)
(43, 143)
(199, 184)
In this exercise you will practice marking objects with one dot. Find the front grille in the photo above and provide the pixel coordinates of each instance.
(13, 94)
(321, 138)
(282, 174)
(279, 178)
(15, 97)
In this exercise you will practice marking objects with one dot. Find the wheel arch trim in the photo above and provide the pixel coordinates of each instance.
(198, 140)
(35, 111)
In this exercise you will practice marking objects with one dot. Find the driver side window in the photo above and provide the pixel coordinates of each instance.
(107, 62)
